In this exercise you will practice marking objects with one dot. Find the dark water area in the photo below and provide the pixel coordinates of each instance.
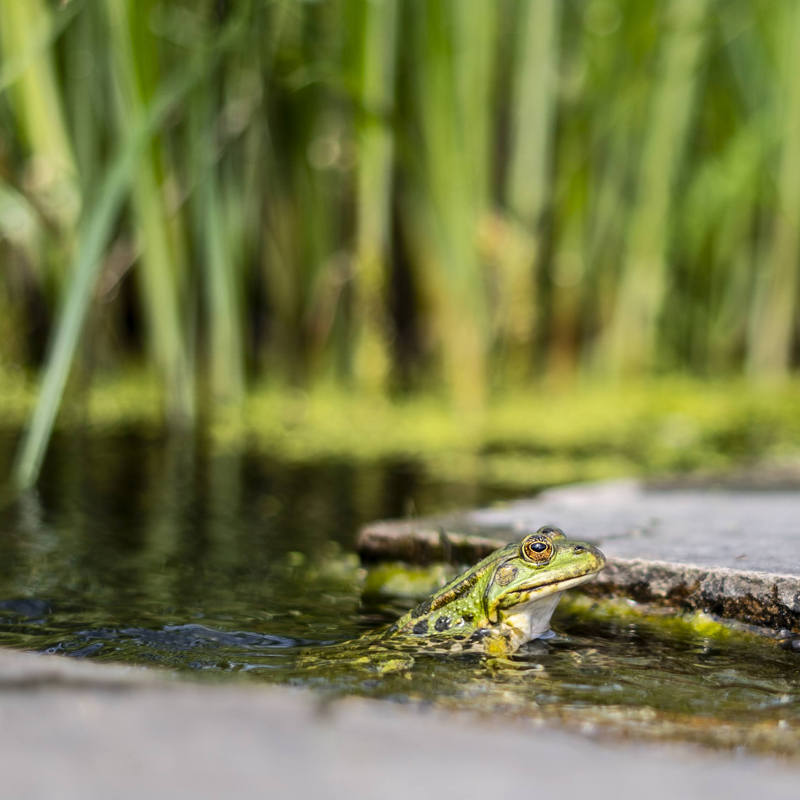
(164, 551)
(235, 564)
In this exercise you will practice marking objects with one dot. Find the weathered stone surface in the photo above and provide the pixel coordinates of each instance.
(420, 541)
(733, 553)
(122, 734)
(32, 671)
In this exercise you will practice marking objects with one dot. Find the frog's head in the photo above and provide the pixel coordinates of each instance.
(545, 564)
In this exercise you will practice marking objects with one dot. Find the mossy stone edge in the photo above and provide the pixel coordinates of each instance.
(757, 598)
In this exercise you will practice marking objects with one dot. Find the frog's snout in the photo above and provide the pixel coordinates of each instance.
(593, 554)
(599, 557)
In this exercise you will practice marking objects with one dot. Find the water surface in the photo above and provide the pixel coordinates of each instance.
(239, 565)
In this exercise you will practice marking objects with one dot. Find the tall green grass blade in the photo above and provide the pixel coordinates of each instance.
(630, 346)
(533, 107)
(444, 216)
(773, 324)
(96, 232)
(26, 51)
(86, 87)
(532, 116)
(475, 51)
(35, 89)
(377, 76)
(134, 68)
(25, 29)
(567, 270)
(221, 273)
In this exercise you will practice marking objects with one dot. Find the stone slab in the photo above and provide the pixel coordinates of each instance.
(734, 553)
(19, 671)
(125, 734)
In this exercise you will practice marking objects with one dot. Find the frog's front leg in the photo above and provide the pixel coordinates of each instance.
(499, 644)
(500, 640)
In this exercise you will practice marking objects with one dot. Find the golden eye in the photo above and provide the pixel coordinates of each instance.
(537, 548)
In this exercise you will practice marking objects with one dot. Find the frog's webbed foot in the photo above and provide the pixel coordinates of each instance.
(385, 664)
(377, 658)
(497, 663)
(358, 656)
(504, 663)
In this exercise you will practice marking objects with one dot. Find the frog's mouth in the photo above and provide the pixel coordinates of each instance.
(523, 594)
(531, 607)
(530, 593)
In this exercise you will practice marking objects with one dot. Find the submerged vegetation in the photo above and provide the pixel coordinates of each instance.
(460, 198)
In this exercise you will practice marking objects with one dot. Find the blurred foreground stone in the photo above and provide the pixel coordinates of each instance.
(730, 552)
(79, 730)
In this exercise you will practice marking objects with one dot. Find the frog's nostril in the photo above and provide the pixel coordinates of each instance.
(579, 548)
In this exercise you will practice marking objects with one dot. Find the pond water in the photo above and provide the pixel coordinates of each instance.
(238, 565)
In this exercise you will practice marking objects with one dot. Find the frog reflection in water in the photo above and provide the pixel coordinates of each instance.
(504, 601)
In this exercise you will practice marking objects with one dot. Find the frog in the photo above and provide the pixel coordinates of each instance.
(505, 600)
(493, 608)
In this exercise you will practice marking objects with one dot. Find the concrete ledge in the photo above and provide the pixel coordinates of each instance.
(732, 553)
(19, 671)
(175, 740)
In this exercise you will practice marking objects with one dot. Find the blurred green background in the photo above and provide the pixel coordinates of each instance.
(394, 200)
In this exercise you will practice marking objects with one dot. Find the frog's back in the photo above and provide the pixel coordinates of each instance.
(456, 608)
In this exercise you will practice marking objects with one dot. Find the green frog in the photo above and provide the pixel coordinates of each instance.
(493, 608)
(505, 600)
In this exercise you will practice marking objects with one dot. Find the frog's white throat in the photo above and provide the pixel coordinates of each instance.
(531, 619)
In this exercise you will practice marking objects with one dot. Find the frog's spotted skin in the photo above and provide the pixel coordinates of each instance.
(505, 600)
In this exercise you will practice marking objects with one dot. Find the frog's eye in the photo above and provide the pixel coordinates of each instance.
(536, 548)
